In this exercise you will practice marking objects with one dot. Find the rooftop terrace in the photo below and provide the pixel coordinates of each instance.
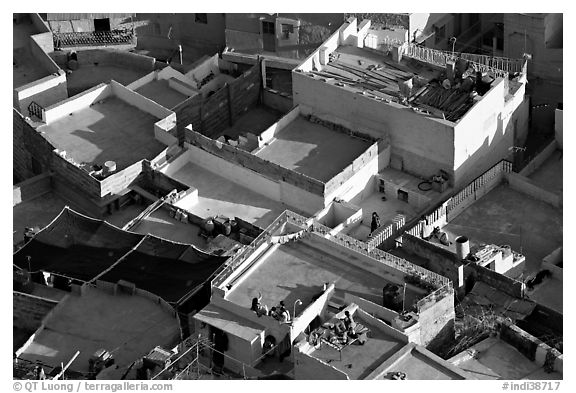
(298, 271)
(505, 216)
(418, 363)
(88, 76)
(359, 361)
(219, 196)
(497, 359)
(108, 130)
(160, 92)
(26, 68)
(312, 149)
(129, 326)
(256, 120)
(549, 175)
(159, 223)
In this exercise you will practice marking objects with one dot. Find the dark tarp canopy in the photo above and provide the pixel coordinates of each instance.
(75, 246)
(169, 270)
(83, 248)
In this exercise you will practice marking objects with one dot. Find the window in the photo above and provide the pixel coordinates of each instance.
(268, 28)
(201, 18)
(287, 30)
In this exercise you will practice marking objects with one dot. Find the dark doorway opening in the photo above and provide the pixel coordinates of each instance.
(269, 36)
(102, 24)
(403, 195)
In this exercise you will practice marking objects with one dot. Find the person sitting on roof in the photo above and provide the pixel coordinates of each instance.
(258, 308)
(274, 313)
(284, 314)
(348, 320)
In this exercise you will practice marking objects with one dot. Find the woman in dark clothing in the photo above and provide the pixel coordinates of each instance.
(375, 224)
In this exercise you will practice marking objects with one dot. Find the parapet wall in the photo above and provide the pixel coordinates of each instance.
(440, 260)
(31, 188)
(30, 310)
(495, 280)
(534, 349)
(249, 161)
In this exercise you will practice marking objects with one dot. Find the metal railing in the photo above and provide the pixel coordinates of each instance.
(499, 66)
(93, 38)
(35, 109)
(246, 251)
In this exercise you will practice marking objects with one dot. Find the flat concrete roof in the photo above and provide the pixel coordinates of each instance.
(406, 181)
(126, 213)
(88, 76)
(26, 69)
(37, 212)
(298, 271)
(160, 224)
(548, 293)
(497, 359)
(130, 326)
(420, 364)
(313, 150)
(160, 92)
(219, 196)
(387, 210)
(549, 175)
(358, 361)
(111, 130)
(505, 216)
(229, 322)
(255, 120)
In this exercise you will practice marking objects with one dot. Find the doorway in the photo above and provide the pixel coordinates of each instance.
(102, 24)
(268, 36)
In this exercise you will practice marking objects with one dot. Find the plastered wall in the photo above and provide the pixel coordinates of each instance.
(485, 134)
(409, 132)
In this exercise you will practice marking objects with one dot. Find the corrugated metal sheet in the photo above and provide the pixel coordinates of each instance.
(86, 16)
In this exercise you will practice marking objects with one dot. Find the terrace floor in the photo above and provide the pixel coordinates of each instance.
(26, 69)
(111, 130)
(128, 325)
(500, 360)
(123, 216)
(160, 92)
(358, 361)
(219, 196)
(256, 120)
(548, 293)
(549, 174)
(160, 224)
(506, 216)
(387, 210)
(313, 150)
(88, 76)
(298, 271)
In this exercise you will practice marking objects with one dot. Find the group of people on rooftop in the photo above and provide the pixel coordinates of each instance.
(280, 312)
